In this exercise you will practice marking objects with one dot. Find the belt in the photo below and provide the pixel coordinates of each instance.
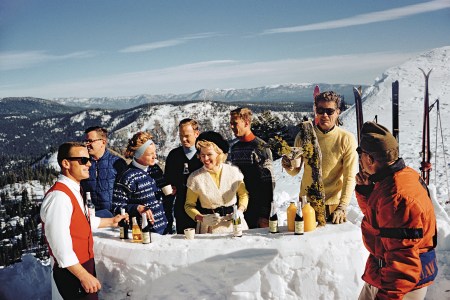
(221, 210)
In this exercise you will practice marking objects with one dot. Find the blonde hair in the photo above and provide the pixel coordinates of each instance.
(222, 157)
(136, 142)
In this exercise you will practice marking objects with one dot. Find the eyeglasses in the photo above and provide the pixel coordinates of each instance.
(91, 141)
(81, 160)
(323, 110)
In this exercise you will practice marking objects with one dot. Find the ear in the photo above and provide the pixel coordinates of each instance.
(65, 164)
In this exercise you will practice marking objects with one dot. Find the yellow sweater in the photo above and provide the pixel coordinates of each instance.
(339, 165)
(192, 197)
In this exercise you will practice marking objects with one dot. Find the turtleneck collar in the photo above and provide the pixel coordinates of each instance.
(247, 138)
(138, 165)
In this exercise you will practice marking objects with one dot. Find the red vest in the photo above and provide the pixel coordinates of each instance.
(80, 230)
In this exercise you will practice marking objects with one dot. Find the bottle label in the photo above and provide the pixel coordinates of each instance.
(273, 226)
(145, 237)
(299, 227)
(237, 230)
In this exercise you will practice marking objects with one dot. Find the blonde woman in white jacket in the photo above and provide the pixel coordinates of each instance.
(217, 186)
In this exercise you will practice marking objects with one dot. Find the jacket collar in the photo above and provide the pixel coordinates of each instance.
(388, 171)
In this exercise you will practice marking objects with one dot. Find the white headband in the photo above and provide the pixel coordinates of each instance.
(140, 151)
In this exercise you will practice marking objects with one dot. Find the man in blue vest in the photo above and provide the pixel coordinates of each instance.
(105, 168)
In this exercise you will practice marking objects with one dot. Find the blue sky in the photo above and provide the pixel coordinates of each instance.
(96, 48)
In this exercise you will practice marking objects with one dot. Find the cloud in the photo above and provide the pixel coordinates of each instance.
(374, 17)
(167, 43)
(224, 74)
(14, 60)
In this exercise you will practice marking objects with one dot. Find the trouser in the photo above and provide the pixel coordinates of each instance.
(69, 286)
(369, 292)
(168, 210)
(182, 220)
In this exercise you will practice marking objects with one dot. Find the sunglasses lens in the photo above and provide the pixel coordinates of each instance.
(322, 110)
(84, 160)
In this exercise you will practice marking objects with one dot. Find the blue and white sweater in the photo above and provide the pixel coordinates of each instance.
(136, 187)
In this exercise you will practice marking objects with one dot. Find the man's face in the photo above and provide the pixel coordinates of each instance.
(188, 136)
(326, 114)
(95, 144)
(149, 156)
(239, 126)
(74, 167)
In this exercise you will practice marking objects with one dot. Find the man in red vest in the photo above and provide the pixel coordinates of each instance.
(68, 229)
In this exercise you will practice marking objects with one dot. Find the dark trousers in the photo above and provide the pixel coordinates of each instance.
(69, 286)
(168, 210)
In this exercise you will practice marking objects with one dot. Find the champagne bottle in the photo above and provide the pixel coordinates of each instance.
(136, 231)
(237, 223)
(309, 215)
(291, 211)
(146, 237)
(123, 226)
(299, 222)
(273, 219)
(90, 207)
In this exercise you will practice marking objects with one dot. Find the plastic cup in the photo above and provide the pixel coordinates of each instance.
(189, 233)
(167, 190)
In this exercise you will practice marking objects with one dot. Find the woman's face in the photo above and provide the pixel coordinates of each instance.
(209, 157)
(149, 156)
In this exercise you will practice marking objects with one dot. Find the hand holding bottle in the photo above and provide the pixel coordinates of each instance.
(141, 209)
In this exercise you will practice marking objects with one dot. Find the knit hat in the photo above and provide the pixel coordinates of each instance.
(216, 138)
(378, 142)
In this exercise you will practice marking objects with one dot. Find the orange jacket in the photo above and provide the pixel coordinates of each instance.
(399, 231)
(80, 230)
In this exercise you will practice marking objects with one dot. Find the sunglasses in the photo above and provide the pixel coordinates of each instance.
(323, 110)
(81, 160)
(361, 151)
(91, 141)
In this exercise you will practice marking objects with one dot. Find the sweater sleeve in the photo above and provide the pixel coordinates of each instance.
(190, 204)
(242, 196)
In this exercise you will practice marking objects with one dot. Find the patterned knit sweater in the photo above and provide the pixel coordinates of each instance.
(136, 187)
(254, 159)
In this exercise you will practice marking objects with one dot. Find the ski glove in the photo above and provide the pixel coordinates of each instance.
(211, 219)
(340, 214)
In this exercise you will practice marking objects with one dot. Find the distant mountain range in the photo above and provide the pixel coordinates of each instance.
(276, 93)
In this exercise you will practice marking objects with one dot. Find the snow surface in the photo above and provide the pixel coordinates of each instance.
(324, 264)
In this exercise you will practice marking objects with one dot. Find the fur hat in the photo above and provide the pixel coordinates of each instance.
(378, 142)
(216, 138)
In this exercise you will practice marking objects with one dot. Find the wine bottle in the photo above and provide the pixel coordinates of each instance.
(123, 226)
(273, 219)
(136, 231)
(90, 207)
(291, 211)
(299, 222)
(237, 223)
(146, 237)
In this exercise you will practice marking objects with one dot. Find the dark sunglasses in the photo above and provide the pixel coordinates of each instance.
(81, 160)
(91, 141)
(323, 110)
(361, 151)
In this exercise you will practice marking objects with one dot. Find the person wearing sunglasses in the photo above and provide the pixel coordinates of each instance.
(105, 168)
(339, 158)
(136, 189)
(67, 227)
(399, 224)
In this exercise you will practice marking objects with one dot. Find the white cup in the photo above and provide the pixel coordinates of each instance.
(167, 190)
(189, 233)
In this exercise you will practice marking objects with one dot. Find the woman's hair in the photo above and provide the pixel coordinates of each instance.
(222, 157)
(136, 142)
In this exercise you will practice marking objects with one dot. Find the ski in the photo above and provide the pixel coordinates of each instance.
(359, 112)
(395, 110)
(315, 93)
(425, 166)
